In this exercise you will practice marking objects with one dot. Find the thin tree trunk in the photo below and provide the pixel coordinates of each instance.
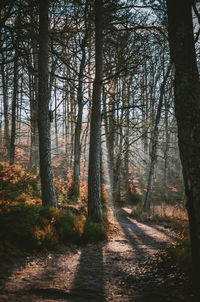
(5, 107)
(34, 152)
(109, 120)
(94, 174)
(118, 156)
(148, 197)
(14, 107)
(166, 151)
(56, 120)
(33, 83)
(77, 138)
(46, 173)
(127, 139)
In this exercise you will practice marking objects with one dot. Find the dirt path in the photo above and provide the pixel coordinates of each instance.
(123, 269)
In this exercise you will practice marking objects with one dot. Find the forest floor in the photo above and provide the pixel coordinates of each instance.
(126, 268)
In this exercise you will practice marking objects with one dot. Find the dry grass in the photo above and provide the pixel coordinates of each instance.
(174, 216)
(177, 211)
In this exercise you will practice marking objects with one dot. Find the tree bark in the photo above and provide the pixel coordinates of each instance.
(14, 107)
(5, 106)
(109, 120)
(78, 128)
(166, 150)
(33, 83)
(187, 111)
(94, 173)
(46, 173)
(153, 156)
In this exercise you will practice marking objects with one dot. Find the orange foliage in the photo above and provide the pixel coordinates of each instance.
(17, 183)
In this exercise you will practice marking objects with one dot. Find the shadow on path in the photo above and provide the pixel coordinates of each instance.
(140, 240)
(88, 285)
(50, 293)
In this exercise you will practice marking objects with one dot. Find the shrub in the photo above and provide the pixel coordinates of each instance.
(17, 183)
(139, 213)
(65, 225)
(31, 228)
(180, 256)
(93, 232)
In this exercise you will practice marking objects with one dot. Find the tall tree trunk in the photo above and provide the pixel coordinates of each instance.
(109, 121)
(33, 83)
(34, 152)
(145, 109)
(118, 153)
(14, 107)
(78, 128)
(72, 114)
(148, 197)
(94, 173)
(187, 111)
(5, 106)
(56, 122)
(126, 138)
(46, 173)
(166, 150)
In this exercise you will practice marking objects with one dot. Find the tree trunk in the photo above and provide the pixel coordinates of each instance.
(148, 197)
(46, 173)
(5, 107)
(109, 120)
(118, 155)
(94, 173)
(77, 138)
(166, 151)
(187, 111)
(33, 83)
(126, 139)
(14, 107)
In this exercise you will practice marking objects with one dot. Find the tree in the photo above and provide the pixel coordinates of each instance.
(5, 105)
(153, 155)
(14, 107)
(46, 173)
(78, 128)
(94, 173)
(187, 111)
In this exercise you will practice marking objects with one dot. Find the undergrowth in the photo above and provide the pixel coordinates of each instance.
(18, 184)
(180, 256)
(174, 217)
(28, 228)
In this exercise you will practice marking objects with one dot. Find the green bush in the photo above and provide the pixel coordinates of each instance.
(25, 228)
(93, 232)
(65, 225)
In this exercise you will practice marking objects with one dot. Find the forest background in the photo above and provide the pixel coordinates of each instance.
(92, 85)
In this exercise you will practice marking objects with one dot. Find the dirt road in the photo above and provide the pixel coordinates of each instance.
(123, 269)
